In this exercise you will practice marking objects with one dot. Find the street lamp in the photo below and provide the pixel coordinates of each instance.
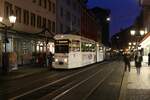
(5, 58)
(133, 33)
(137, 34)
(108, 19)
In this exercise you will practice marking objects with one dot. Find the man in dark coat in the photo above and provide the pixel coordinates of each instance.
(126, 59)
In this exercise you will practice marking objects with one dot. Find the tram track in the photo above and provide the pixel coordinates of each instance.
(76, 85)
(54, 82)
(85, 93)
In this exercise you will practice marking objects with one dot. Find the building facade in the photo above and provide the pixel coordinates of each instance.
(101, 16)
(33, 16)
(68, 16)
(89, 26)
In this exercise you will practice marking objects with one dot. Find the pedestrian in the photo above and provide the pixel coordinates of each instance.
(126, 59)
(50, 58)
(149, 59)
(138, 62)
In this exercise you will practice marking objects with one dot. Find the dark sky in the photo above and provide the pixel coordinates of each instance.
(123, 12)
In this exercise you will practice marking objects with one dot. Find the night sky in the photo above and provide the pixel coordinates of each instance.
(123, 12)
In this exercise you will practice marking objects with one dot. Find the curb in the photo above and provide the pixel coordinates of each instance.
(122, 95)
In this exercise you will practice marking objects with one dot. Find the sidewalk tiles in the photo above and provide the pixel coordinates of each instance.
(134, 86)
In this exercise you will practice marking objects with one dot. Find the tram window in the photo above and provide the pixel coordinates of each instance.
(61, 49)
(87, 47)
(75, 45)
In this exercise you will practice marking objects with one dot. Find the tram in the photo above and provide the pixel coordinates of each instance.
(74, 51)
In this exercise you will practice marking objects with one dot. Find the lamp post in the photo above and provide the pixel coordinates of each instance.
(5, 58)
(137, 35)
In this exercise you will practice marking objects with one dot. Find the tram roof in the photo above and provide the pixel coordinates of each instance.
(72, 37)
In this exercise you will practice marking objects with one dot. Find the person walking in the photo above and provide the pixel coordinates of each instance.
(50, 58)
(149, 59)
(138, 62)
(126, 59)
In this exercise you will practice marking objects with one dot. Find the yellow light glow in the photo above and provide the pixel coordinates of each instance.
(12, 19)
(132, 32)
(1, 19)
(129, 43)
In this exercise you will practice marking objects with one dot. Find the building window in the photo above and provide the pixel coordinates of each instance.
(44, 22)
(68, 16)
(61, 12)
(18, 14)
(67, 28)
(54, 8)
(7, 9)
(25, 17)
(33, 19)
(40, 2)
(34, 1)
(61, 27)
(39, 21)
(53, 27)
(68, 2)
(45, 3)
(74, 20)
(49, 25)
(74, 5)
(49, 5)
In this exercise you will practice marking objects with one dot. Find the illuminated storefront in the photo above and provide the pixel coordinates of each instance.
(145, 44)
(22, 49)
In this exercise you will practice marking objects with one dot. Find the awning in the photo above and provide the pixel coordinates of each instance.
(145, 41)
(40, 35)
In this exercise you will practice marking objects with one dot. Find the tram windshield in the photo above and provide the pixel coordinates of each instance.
(61, 46)
(61, 49)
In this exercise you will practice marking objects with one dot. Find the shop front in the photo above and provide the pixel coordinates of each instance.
(23, 49)
(145, 45)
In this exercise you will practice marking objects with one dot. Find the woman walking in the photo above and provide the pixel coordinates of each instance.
(138, 62)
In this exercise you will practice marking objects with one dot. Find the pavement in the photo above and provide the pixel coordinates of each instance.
(136, 86)
(24, 71)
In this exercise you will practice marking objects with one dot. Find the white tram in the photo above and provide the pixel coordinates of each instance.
(73, 51)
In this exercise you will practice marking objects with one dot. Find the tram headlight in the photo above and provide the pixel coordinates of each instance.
(65, 60)
(56, 60)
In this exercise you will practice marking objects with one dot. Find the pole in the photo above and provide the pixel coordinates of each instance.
(46, 41)
(5, 58)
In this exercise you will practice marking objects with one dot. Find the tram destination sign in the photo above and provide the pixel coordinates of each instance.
(57, 42)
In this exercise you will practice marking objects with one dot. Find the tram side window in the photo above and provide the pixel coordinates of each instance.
(61, 49)
(75, 46)
(87, 47)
